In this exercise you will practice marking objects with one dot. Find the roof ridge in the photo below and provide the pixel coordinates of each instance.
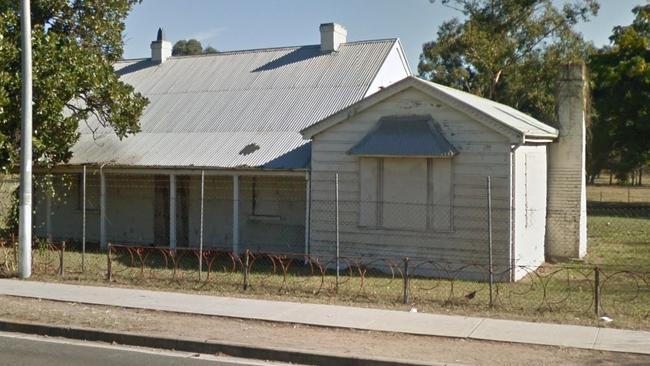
(259, 50)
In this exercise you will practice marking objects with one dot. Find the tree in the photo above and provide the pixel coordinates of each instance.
(191, 47)
(620, 83)
(210, 50)
(75, 43)
(507, 50)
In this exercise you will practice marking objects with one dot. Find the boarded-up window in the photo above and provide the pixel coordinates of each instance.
(369, 173)
(440, 193)
(406, 193)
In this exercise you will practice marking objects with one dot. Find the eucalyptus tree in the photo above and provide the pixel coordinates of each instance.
(620, 75)
(508, 50)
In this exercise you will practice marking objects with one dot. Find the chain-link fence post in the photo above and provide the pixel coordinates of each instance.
(246, 268)
(61, 253)
(83, 222)
(489, 222)
(406, 280)
(597, 291)
(338, 251)
(201, 224)
(109, 263)
(15, 248)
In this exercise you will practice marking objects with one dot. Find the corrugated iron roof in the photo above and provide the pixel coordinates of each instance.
(499, 114)
(405, 136)
(507, 115)
(204, 110)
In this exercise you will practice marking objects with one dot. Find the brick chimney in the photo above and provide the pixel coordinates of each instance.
(331, 36)
(566, 224)
(161, 49)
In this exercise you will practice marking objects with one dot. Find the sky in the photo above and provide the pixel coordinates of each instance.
(247, 24)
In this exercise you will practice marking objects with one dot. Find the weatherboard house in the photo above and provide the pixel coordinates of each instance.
(299, 146)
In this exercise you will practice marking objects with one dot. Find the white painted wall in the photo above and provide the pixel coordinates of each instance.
(129, 209)
(66, 213)
(394, 69)
(217, 211)
(529, 207)
(282, 233)
(482, 152)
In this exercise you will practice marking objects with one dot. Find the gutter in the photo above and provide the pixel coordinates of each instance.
(204, 346)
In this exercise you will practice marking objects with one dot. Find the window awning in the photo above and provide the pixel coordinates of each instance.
(405, 136)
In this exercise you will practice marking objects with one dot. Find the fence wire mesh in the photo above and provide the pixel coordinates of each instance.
(426, 255)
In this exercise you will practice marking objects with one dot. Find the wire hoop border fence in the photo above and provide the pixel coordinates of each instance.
(582, 289)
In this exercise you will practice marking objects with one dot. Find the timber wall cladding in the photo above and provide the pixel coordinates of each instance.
(482, 153)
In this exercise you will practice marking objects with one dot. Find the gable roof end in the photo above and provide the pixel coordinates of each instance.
(505, 120)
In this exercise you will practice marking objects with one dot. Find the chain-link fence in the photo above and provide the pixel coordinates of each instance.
(273, 236)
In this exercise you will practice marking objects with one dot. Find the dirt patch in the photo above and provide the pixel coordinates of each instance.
(329, 340)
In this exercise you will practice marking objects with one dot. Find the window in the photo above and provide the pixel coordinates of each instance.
(266, 198)
(406, 193)
(440, 194)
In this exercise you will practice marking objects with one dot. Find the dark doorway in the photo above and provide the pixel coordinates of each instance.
(161, 210)
(182, 211)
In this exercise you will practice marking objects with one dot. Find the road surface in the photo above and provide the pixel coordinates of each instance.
(27, 350)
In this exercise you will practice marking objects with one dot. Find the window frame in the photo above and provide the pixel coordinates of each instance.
(255, 207)
(379, 201)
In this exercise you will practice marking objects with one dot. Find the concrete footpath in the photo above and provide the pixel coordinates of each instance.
(594, 338)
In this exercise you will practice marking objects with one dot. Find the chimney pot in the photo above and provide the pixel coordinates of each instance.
(331, 36)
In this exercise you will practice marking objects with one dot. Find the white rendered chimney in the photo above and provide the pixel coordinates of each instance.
(566, 223)
(161, 49)
(331, 36)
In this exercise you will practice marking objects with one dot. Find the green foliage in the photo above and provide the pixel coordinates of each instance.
(620, 78)
(10, 220)
(210, 49)
(507, 50)
(191, 47)
(75, 43)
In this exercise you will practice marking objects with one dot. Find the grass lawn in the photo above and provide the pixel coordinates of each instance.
(619, 241)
